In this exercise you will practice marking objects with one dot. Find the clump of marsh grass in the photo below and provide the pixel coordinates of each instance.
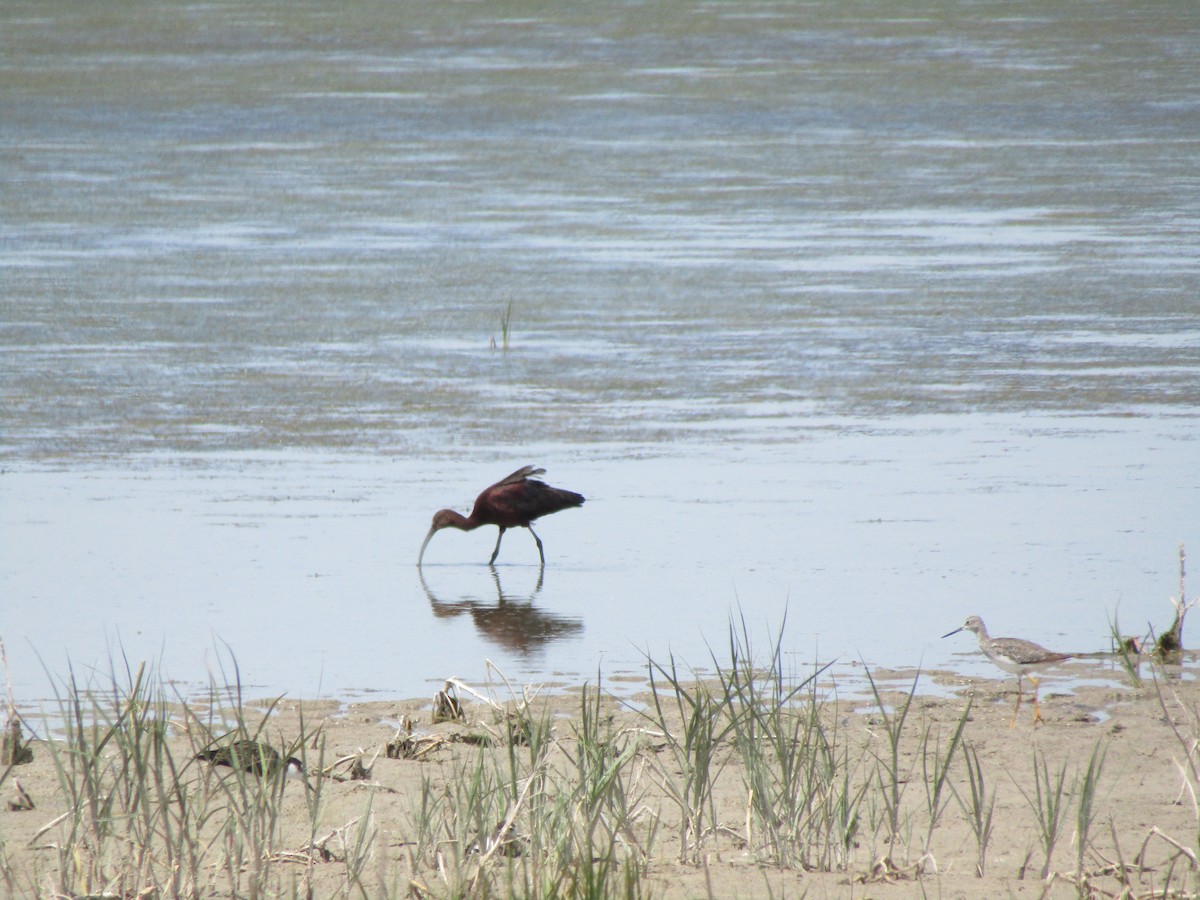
(936, 764)
(1128, 651)
(505, 327)
(903, 756)
(461, 824)
(608, 764)
(978, 806)
(802, 800)
(1052, 800)
(1184, 722)
(1049, 803)
(585, 840)
(1086, 788)
(808, 790)
(539, 816)
(1169, 645)
(892, 771)
(692, 749)
(143, 816)
(121, 782)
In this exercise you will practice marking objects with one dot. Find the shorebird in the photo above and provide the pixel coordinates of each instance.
(253, 757)
(1015, 656)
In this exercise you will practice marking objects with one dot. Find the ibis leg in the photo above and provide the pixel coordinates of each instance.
(539, 543)
(496, 552)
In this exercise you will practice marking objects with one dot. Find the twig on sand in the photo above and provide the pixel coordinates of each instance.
(1139, 860)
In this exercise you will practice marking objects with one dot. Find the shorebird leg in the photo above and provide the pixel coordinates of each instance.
(539, 543)
(496, 552)
(1017, 709)
(1037, 710)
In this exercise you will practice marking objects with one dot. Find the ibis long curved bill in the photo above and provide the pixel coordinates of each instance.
(425, 543)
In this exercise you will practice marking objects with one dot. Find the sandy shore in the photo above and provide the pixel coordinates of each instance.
(1144, 811)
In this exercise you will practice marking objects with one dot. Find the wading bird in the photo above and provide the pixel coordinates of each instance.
(253, 757)
(517, 500)
(1015, 656)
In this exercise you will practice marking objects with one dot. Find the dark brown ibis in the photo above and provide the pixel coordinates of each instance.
(517, 500)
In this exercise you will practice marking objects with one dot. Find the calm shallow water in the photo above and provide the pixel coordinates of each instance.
(878, 321)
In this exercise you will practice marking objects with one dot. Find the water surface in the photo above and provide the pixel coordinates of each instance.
(879, 320)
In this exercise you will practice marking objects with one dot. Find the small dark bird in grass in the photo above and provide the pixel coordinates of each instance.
(517, 500)
(253, 757)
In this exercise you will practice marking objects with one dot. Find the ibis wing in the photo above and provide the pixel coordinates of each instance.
(521, 503)
(518, 476)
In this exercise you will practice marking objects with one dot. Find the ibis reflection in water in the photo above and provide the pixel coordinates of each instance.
(511, 621)
(518, 500)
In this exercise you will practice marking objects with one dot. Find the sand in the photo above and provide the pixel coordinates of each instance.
(1145, 810)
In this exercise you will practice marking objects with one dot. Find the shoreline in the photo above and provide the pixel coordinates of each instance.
(849, 683)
